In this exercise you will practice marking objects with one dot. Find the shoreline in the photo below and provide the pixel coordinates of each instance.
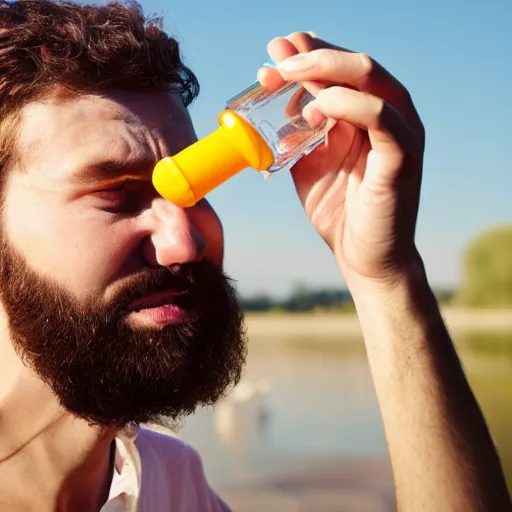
(334, 325)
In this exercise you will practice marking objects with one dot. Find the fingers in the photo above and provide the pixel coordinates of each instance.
(270, 78)
(280, 49)
(353, 69)
(325, 63)
(305, 58)
(307, 42)
(389, 134)
(356, 69)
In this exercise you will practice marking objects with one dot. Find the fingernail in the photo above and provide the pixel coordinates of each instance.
(272, 40)
(299, 62)
(313, 116)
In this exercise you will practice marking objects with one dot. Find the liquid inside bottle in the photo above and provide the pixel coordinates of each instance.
(277, 116)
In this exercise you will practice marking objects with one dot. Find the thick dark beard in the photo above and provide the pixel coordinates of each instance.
(111, 374)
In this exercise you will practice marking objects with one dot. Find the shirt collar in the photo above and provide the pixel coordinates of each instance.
(125, 488)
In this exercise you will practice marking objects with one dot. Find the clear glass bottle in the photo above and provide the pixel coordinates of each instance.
(277, 116)
(259, 129)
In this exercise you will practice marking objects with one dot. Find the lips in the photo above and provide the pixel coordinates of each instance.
(157, 299)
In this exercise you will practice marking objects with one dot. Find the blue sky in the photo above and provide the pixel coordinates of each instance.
(454, 56)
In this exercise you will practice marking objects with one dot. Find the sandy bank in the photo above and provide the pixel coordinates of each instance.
(347, 325)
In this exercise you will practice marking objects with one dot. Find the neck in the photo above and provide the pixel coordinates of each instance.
(50, 461)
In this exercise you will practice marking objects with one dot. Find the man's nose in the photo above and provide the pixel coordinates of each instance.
(174, 239)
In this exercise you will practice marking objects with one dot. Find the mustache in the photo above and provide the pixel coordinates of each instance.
(197, 280)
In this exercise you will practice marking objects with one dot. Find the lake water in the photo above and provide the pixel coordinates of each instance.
(322, 403)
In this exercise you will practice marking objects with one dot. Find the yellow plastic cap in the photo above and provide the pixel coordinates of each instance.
(185, 178)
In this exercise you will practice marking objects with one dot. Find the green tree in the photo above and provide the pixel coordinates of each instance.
(300, 298)
(487, 280)
(260, 302)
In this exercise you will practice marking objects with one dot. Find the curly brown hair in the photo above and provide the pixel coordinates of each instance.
(45, 44)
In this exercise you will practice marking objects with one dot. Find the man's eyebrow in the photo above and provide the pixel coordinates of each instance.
(111, 169)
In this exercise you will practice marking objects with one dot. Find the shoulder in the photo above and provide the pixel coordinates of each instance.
(168, 450)
(173, 468)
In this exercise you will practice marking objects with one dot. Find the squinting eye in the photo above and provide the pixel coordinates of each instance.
(119, 187)
(114, 188)
(116, 192)
(123, 197)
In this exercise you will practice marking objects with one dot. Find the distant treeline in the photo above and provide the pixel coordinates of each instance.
(486, 283)
(303, 299)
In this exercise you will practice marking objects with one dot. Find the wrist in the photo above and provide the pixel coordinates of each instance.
(403, 301)
(410, 277)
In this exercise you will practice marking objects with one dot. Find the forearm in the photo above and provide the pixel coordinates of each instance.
(441, 451)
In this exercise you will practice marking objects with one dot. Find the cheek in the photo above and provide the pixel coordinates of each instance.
(209, 224)
(79, 250)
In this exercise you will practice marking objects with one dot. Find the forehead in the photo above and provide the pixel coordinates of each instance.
(57, 135)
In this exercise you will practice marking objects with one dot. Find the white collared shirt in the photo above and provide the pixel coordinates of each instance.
(158, 473)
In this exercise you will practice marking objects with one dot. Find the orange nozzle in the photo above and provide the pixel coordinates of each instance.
(185, 178)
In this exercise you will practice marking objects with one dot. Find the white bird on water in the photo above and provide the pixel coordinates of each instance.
(244, 407)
